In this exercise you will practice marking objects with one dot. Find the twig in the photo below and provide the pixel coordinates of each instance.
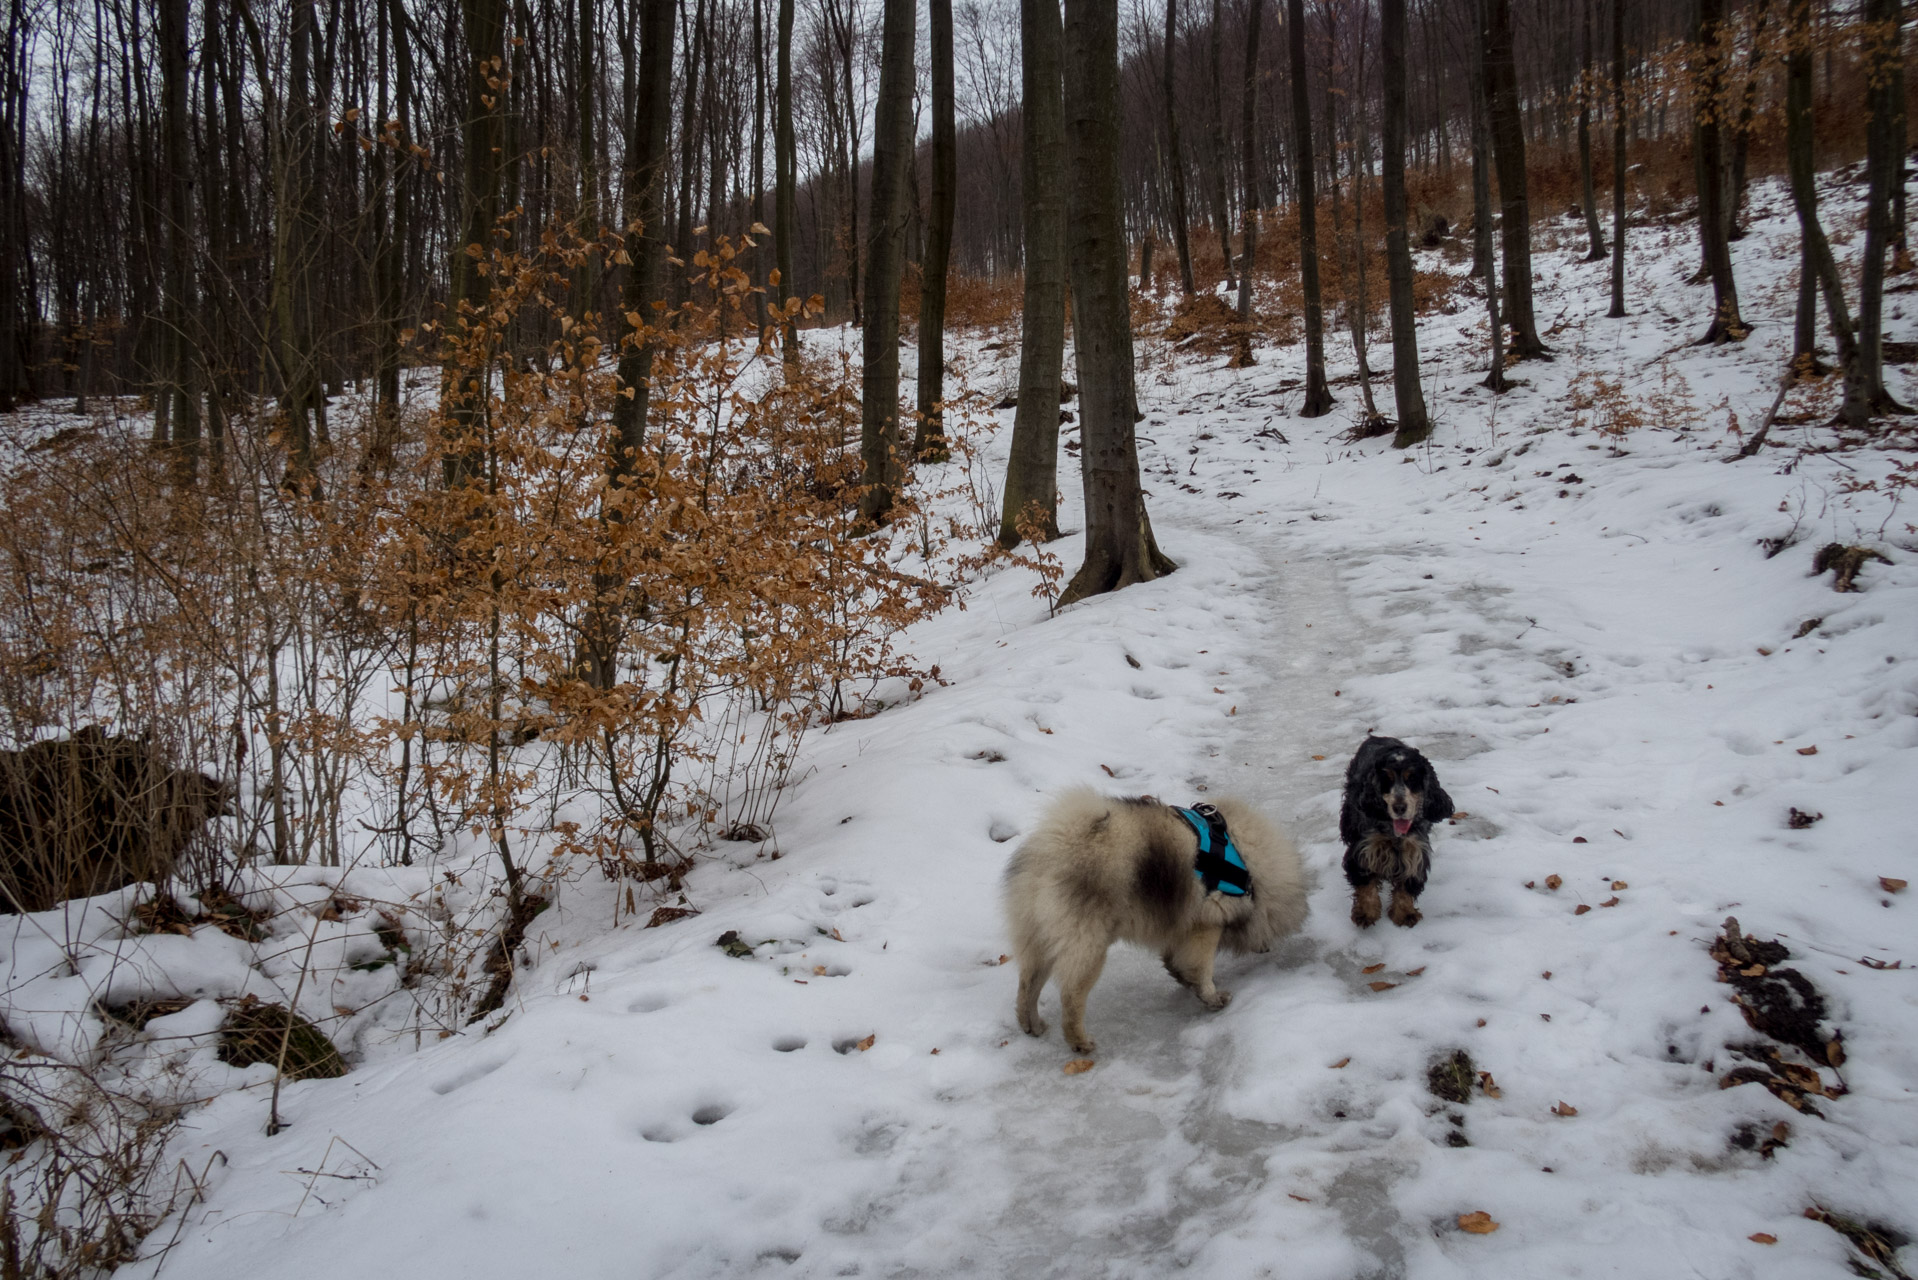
(1757, 441)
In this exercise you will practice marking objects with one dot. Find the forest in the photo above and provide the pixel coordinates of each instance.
(462, 450)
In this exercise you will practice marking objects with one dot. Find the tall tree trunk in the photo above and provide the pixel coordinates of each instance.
(647, 143)
(759, 171)
(586, 221)
(1358, 312)
(1816, 263)
(1586, 87)
(16, 301)
(1747, 112)
(1618, 159)
(1032, 472)
(181, 366)
(879, 436)
(1884, 166)
(1709, 109)
(1508, 146)
(1175, 156)
(785, 178)
(1485, 256)
(1222, 213)
(1318, 393)
(482, 142)
(1414, 424)
(1120, 549)
(929, 440)
(695, 42)
(1249, 175)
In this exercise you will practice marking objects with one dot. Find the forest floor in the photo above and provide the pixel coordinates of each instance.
(1620, 689)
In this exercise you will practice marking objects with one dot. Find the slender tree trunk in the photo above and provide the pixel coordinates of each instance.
(1884, 167)
(586, 222)
(482, 142)
(1618, 159)
(182, 379)
(1222, 213)
(1249, 176)
(929, 440)
(1030, 505)
(1708, 106)
(1485, 255)
(1414, 424)
(1508, 146)
(1358, 310)
(1318, 393)
(1175, 156)
(785, 178)
(1120, 549)
(879, 437)
(647, 148)
(1817, 264)
(1747, 112)
(1586, 87)
(759, 172)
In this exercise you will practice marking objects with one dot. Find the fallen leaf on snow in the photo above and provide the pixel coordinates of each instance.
(1581, 908)
(1413, 973)
(1610, 902)
(1315, 758)
(1489, 1086)
(1763, 1237)
(1891, 885)
(1078, 1066)
(1580, 840)
(819, 971)
(1553, 882)
(1296, 1196)
(1341, 1063)
(1373, 968)
(1381, 986)
(867, 1043)
(1808, 751)
(1620, 884)
(1564, 1109)
(1478, 1224)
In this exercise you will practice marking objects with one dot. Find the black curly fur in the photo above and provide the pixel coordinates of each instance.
(1380, 768)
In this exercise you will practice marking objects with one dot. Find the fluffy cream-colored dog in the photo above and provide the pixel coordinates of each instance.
(1099, 868)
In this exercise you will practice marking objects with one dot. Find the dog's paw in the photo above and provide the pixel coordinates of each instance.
(1217, 1000)
(1084, 1044)
(1404, 913)
(1365, 914)
(1033, 1026)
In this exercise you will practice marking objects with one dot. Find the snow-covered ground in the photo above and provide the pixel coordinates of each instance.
(1619, 689)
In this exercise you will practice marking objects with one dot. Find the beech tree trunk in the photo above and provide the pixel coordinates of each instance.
(1594, 235)
(786, 180)
(1884, 167)
(879, 436)
(1175, 157)
(1414, 424)
(1817, 266)
(1714, 229)
(1508, 146)
(1486, 257)
(930, 441)
(180, 367)
(1249, 175)
(482, 139)
(1032, 472)
(1618, 159)
(1318, 393)
(1120, 549)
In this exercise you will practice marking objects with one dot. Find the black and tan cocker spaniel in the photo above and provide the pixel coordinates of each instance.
(1392, 798)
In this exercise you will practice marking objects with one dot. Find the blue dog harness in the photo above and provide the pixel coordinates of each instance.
(1218, 864)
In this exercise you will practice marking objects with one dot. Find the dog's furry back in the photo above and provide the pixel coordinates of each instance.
(1124, 868)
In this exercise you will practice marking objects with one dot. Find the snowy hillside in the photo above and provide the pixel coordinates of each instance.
(1626, 697)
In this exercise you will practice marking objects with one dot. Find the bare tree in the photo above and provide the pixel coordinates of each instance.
(1618, 159)
(1120, 549)
(1414, 425)
(929, 440)
(1175, 156)
(1318, 393)
(879, 438)
(1708, 52)
(1586, 87)
(1508, 145)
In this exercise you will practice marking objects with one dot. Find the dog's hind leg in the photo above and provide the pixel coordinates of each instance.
(1034, 968)
(1191, 963)
(1079, 968)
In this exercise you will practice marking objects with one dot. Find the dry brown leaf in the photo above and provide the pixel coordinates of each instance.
(1531, 884)
(1755, 971)
(1078, 1066)
(1340, 1063)
(1564, 1109)
(1413, 973)
(867, 1043)
(1488, 1086)
(1373, 968)
(1610, 902)
(1620, 884)
(837, 937)
(1890, 885)
(1381, 986)
(1581, 909)
(1003, 959)
(1479, 1223)
(1553, 882)
(819, 971)
(1808, 751)
(1763, 1237)
(1315, 758)
(1580, 840)
(1302, 1199)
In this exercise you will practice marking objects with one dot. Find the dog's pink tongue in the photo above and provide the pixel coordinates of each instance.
(1401, 825)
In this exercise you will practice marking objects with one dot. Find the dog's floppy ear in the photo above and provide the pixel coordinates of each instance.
(1434, 805)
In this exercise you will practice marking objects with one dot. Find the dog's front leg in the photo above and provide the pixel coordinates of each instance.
(1405, 907)
(1191, 963)
(1365, 904)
